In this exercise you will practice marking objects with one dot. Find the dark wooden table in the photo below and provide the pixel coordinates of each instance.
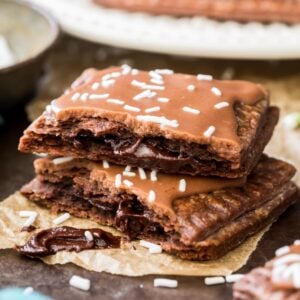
(16, 169)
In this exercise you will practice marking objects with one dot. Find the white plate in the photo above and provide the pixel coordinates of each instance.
(199, 37)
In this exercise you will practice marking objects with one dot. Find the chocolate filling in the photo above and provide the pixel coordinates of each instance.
(98, 139)
(53, 240)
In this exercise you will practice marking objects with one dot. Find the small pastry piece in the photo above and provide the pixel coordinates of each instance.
(279, 279)
(154, 121)
(197, 218)
(246, 10)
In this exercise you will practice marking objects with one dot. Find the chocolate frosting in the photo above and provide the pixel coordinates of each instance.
(195, 110)
(165, 188)
(52, 240)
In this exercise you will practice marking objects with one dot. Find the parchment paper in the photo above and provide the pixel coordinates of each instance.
(129, 260)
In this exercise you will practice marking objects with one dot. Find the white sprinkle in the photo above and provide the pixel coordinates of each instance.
(115, 74)
(125, 69)
(191, 88)
(61, 160)
(283, 250)
(134, 72)
(84, 97)
(64, 217)
(163, 100)
(128, 183)
(144, 85)
(216, 91)
(151, 196)
(182, 185)
(80, 283)
(141, 286)
(115, 101)
(286, 259)
(204, 77)
(164, 71)
(163, 282)
(153, 175)
(155, 75)
(191, 110)
(111, 75)
(153, 248)
(118, 180)
(98, 97)
(54, 107)
(95, 86)
(160, 120)
(152, 109)
(129, 174)
(88, 235)
(144, 94)
(221, 105)
(127, 169)
(31, 215)
(234, 277)
(108, 83)
(214, 280)
(30, 221)
(27, 213)
(105, 164)
(142, 173)
(132, 108)
(156, 81)
(41, 154)
(210, 131)
(297, 242)
(27, 291)
(75, 97)
(49, 109)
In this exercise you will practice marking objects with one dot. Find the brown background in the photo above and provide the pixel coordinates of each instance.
(72, 56)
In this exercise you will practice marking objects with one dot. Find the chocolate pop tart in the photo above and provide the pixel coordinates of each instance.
(246, 10)
(278, 279)
(195, 218)
(175, 123)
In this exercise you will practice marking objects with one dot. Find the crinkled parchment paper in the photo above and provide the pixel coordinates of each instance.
(130, 260)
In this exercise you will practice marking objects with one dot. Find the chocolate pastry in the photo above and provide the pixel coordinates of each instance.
(246, 10)
(279, 279)
(66, 238)
(174, 123)
(196, 218)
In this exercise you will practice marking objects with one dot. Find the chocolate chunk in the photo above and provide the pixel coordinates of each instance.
(52, 240)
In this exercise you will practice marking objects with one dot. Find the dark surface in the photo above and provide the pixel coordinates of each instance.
(17, 169)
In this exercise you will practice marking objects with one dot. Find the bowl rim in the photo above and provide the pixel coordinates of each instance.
(54, 28)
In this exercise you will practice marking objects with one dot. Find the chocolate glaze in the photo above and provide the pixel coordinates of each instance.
(28, 228)
(191, 126)
(65, 238)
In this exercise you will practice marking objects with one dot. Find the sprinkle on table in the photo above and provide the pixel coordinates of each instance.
(80, 283)
(164, 282)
